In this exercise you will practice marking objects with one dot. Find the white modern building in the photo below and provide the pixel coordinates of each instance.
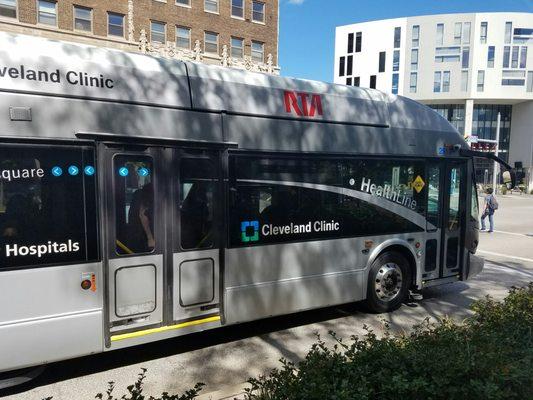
(468, 67)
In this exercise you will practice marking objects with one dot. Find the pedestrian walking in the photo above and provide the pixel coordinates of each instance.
(490, 206)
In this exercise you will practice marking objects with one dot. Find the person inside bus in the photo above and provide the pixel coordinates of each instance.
(140, 228)
(195, 218)
(15, 226)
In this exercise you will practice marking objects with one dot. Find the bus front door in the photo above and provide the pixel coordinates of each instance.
(453, 218)
(134, 236)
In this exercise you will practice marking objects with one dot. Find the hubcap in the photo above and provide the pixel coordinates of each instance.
(388, 282)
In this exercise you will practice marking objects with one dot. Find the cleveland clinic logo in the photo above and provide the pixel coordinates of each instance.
(249, 231)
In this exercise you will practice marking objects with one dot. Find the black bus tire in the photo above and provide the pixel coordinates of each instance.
(389, 281)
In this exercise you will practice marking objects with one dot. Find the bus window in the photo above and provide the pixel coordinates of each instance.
(47, 205)
(197, 196)
(455, 196)
(433, 207)
(278, 200)
(134, 204)
(474, 207)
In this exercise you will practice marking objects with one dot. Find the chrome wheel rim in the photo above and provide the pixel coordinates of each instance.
(388, 282)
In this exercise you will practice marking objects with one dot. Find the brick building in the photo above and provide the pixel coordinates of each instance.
(235, 33)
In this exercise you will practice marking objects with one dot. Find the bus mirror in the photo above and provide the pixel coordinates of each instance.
(509, 178)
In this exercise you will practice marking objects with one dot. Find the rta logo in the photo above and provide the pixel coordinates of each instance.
(303, 104)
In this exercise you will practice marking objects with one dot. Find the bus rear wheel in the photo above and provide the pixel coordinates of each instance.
(388, 282)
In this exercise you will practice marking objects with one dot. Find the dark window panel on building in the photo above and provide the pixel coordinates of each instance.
(349, 66)
(349, 81)
(357, 81)
(395, 83)
(382, 56)
(373, 81)
(342, 66)
(350, 43)
(358, 41)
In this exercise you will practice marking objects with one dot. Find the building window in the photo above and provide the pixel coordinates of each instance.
(258, 11)
(395, 83)
(513, 78)
(237, 48)
(415, 40)
(464, 81)
(457, 33)
(465, 57)
(480, 81)
(349, 81)
(437, 82)
(350, 43)
(48, 12)
(446, 81)
(183, 37)
(523, 57)
(237, 8)
(157, 32)
(373, 81)
(466, 33)
(396, 60)
(514, 57)
(342, 66)
(186, 3)
(506, 56)
(357, 81)
(490, 57)
(397, 37)
(211, 6)
(82, 18)
(258, 52)
(529, 87)
(440, 34)
(454, 113)
(483, 33)
(414, 59)
(211, 42)
(382, 55)
(358, 41)
(8, 8)
(508, 32)
(349, 66)
(413, 81)
(115, 24)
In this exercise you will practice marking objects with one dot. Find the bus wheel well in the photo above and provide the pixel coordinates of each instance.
(404, 251)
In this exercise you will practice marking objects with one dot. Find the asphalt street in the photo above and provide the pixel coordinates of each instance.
(223, 359)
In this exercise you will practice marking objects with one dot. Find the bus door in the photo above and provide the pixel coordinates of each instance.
(134, 235)
(198, 208)
(454, 201)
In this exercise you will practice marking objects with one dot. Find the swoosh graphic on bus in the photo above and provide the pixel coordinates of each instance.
(380, 202)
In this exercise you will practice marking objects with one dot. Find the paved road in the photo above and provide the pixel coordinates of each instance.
(225, 358)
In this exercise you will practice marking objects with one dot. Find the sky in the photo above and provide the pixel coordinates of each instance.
(307, 27)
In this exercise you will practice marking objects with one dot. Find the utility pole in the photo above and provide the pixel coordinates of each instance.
(496, 150)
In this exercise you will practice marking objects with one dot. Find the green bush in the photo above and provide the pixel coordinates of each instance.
(135, 392)
(488, 356)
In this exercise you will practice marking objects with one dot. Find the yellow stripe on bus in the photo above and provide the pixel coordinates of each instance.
(164, 328)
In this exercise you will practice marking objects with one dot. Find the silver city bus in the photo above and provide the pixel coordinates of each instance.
(143, 198)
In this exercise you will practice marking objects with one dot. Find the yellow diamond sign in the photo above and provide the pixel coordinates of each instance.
(418, 184)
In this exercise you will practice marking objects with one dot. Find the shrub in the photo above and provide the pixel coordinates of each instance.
(135, 392)
(488, 356)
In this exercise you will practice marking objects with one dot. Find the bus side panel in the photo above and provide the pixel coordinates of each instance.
(272, 280)
(47, 316)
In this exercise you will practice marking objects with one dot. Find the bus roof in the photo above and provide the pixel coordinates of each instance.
(43, 67)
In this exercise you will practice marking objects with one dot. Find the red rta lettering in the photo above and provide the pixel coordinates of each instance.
(303, 104)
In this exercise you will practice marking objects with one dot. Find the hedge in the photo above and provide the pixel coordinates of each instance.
(488, 356)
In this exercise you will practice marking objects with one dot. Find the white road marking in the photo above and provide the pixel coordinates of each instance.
(506, 256)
